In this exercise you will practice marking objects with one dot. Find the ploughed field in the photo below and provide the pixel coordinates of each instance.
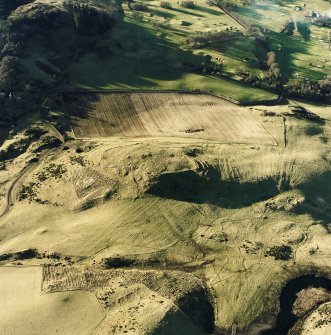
(163, 114)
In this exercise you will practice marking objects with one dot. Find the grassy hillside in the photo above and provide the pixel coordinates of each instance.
(231, 215)
(131, 211)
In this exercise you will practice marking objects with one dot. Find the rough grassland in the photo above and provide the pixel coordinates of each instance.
(165, 114)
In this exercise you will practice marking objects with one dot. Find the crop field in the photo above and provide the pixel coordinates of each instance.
(162, 115)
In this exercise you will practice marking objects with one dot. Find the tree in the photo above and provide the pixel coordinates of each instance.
(11, 49)
(130, 2)
(271, 58)
(7, 6)
(88, 19)
(288, 28)
(9, 69)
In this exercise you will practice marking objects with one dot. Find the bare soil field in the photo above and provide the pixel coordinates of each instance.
(163, 115)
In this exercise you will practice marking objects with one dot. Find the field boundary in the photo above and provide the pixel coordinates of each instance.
(271, 102)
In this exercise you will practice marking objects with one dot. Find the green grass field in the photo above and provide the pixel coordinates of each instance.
(149, 50)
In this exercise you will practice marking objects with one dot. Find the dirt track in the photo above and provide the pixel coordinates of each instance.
(17, 180)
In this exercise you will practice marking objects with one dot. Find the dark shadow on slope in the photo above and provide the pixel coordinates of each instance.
(190, 186)
(317, 191)
(140, 57)
(80, 106)
(207, 10)
(176, 322)
(4, 133)
(198, 308)
(194, 317)
(183, 11)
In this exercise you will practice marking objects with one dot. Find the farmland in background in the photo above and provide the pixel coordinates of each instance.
(149, 50)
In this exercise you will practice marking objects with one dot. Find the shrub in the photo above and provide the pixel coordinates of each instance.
(280, 252)
(288, 28)
(35, 132)
(304, 30)
(47, 142)
(27, 254)
(137, 16)
(310, 89)
(199, 39)
(27, 192)
(187, 4)
(166, 4)
(140, 7)
(117, 262)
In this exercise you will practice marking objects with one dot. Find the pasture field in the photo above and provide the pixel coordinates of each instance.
(163, 115)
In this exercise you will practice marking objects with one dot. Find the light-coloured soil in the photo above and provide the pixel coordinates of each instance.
(26, 311)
